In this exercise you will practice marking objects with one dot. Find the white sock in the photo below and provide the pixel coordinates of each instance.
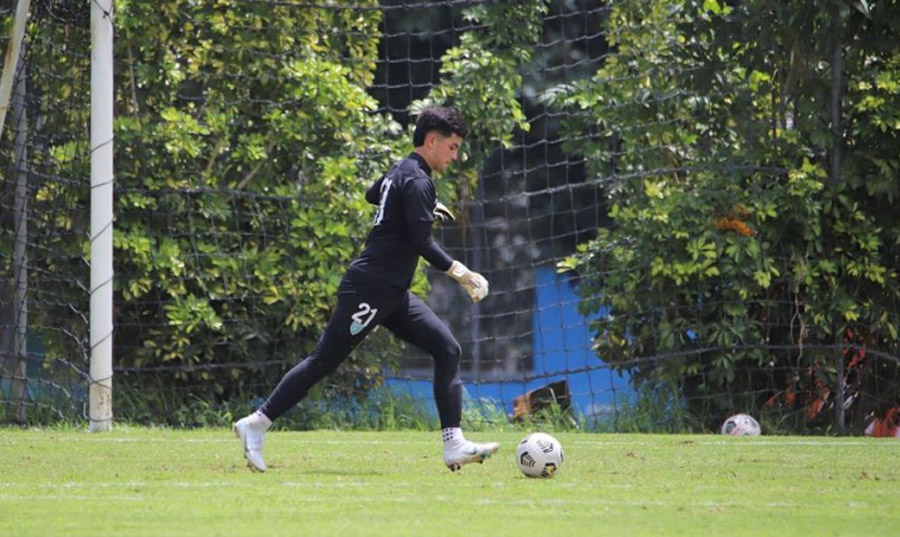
(452, 437)
(260, 421)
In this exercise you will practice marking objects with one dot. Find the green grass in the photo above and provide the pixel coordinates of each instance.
(135, 482)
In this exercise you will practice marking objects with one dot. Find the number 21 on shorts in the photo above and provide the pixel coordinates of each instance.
(362, 318)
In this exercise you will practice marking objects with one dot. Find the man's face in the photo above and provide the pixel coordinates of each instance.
(443, 151)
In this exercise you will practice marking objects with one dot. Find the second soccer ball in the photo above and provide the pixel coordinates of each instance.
(741, 425)
(539, 455)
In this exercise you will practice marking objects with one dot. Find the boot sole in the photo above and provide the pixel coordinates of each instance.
(478, 457)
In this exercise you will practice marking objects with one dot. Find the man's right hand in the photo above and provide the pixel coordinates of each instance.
(443, 214)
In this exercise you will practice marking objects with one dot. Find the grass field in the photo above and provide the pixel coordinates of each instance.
(135, 482)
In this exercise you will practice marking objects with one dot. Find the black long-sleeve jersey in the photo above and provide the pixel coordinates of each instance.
(401, 231)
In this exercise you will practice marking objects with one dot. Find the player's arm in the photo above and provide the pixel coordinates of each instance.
(373, 195)
(420, 202)
(427, 247)
(475, 284)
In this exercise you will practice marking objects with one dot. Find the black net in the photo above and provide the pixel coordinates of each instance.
(641, 275)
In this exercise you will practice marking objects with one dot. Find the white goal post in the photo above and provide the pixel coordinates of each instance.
(101, 316)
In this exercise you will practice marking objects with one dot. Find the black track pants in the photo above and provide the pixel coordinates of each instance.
(355, 315)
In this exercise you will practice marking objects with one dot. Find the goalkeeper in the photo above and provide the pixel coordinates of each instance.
(375, 291)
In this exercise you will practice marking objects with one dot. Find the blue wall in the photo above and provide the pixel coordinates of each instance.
(562, 350)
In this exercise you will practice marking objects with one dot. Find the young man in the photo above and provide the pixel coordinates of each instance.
(375, 291)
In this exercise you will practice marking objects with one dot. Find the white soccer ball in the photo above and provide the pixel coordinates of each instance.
(741, 425)
(539, 455)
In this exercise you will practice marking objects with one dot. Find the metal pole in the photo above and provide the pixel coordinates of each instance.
(839, 392)
(12, 58)
(20, 254)
(101, 215)
(837, 66)
(478, 229)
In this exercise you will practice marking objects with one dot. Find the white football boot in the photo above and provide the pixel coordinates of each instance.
(252, 432)
(468, 452)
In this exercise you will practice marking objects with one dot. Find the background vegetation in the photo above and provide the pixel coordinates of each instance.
(755, 243)
(729, 168)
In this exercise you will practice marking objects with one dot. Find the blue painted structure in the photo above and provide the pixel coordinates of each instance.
(562, 350)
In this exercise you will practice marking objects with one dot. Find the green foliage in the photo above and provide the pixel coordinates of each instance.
(481, 78)
(484, 414)
(243, 148)
(711, 268)
(329, 406)
(552, 417)
(243, 151)
(658, 407)
(284, 160)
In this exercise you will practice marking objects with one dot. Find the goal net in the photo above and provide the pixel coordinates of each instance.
(660, 232)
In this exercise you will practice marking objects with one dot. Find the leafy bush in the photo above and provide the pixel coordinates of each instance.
(741, 264)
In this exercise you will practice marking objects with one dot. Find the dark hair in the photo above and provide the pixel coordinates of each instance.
(438, 118)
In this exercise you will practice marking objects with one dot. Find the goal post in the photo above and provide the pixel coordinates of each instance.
(12, 57)
(101, 290)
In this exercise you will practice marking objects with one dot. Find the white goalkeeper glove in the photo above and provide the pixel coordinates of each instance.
(442, 213)
(475, 284)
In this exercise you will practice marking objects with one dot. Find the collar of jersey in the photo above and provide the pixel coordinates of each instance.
(422, 164)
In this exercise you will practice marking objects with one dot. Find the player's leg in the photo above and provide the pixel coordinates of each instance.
(353, 318)
(417, 324)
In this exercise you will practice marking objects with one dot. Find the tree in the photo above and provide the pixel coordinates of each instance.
(482, 78)
(245, 140)
(740, 266)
